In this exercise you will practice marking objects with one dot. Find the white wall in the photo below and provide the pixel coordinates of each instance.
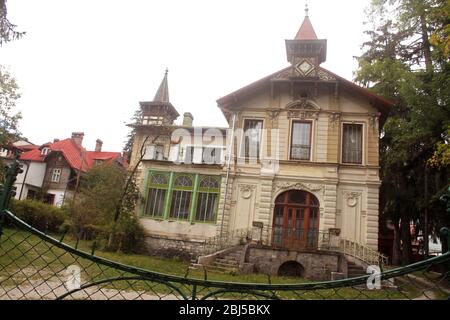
(59, 196)
(33, 174)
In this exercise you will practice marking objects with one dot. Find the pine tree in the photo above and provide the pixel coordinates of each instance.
(405, 61)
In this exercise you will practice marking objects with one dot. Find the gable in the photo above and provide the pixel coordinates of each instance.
(262, 91)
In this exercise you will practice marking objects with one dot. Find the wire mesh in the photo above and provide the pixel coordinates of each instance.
(35, 266)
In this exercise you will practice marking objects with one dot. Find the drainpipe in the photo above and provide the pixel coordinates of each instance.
(230, 148)
(24, 179)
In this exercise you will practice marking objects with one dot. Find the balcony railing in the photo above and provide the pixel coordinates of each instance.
(295, 239)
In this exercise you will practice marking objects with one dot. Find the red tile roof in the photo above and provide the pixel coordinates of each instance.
(306, 31)
(77, 157)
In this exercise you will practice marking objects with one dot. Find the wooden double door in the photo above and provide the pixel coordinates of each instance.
(296, 220)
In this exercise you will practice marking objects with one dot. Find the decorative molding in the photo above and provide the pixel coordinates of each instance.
(305, 68)
(273, 114)
(325, 76)
(335, 118)
(284, 186)
(284, 75)
(303, 109)
(246, 190)
(352, 198)
(303, 114)
(373, 120)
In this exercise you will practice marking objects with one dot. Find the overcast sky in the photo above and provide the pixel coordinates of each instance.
(85, 64)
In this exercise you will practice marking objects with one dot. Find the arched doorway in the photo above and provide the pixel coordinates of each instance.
(291, 269)
(296, 220)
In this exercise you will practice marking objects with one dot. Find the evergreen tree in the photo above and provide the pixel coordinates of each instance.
(405, 61)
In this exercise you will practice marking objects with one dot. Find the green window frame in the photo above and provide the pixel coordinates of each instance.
(158, 185)
(180, 205)
(182, 196)
(207, 199)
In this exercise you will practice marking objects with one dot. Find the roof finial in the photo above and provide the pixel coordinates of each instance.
(167, 71)
(306, 8)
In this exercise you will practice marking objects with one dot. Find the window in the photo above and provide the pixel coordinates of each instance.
(56, 175)
(301, 140)
(153, 120)
(252, 138)
(49, 198)
(171, 196)
(207, 199)
(352, 144)
(156, 194)
(45, 151)
(189, 155)
(211, 155)
(31, 195)
(154, 152)
(181, 197)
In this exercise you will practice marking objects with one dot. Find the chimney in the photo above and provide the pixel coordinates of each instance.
(187, 119)
(78, 138)
(55, 140)
(98, 145)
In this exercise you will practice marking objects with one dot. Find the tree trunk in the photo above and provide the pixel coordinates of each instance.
(405, 226)
(396, 250)
(426, 44)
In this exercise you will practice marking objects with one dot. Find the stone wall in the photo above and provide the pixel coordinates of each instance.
(317, 265)
(173, 248)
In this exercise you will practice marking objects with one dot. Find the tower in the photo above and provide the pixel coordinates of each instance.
(159, 111)
(306, 52)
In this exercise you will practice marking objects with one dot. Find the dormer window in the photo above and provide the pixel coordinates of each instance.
(45, 151)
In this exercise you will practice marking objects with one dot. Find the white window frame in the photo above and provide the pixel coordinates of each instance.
(261, 141)
(45, 151)
(56, 174)
(312, 142)
(363, 142)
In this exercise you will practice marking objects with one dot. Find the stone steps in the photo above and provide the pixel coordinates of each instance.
(354, 270)
(227, 263)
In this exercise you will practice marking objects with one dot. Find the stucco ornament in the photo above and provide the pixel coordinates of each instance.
(352, 198)
(303, 109)
(284, 186)
(246, 190)
(273, 114)
(335, 118)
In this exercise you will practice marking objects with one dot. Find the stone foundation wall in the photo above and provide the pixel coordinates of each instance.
(173, 248)
(317, 265)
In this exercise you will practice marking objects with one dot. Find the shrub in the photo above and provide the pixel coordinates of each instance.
(129, 236)
(42, 216)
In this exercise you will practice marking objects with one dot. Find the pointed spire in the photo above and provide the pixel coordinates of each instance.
(306, 31)
(162, 95)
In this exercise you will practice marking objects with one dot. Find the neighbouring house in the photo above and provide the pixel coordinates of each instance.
(52, 171)
(7, 154)
(298, 165)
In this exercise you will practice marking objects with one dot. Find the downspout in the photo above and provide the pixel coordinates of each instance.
(24, 179)
(230, 148)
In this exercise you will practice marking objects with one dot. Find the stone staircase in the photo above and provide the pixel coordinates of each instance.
(224, 263)
(355, 270)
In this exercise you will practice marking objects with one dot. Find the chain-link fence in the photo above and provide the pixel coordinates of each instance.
(34, 265)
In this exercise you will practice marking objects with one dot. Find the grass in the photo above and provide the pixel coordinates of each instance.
(25, 257)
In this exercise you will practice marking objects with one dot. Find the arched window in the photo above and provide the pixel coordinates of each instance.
(181, 197)
(207, 199)
(158, 185)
